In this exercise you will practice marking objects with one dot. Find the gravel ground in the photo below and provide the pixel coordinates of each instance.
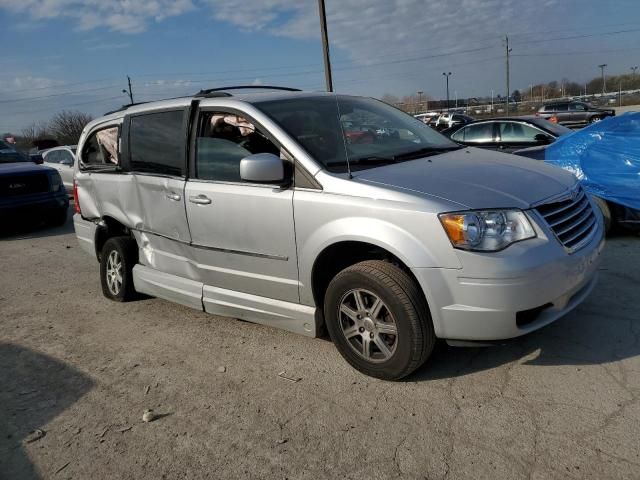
(80, 370)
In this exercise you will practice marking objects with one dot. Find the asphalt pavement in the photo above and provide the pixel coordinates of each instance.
(238, 400)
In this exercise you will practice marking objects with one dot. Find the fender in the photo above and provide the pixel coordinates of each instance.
(413, 252)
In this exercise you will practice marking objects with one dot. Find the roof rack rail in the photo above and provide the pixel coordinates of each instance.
(125, 107)
(222, 91)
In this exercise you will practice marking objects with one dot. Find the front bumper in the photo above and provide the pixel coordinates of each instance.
(506, 294)
(35, 205)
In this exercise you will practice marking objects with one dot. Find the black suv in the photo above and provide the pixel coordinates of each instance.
(574, 113)
(28, 190)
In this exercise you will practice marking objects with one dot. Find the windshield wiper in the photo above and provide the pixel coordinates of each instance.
(368, 160)
(425, 152)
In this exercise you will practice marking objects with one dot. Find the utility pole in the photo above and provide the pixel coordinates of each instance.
(491, 100)
(130, 92)
(325, 46)
(604, 85)
(447, 77)
(633, 78)
(508, 51)
(419, 101)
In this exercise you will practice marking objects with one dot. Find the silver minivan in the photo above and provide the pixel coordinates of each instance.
(274, 208)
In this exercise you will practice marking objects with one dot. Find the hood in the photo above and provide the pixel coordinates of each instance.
(474, 178)
(22, 167)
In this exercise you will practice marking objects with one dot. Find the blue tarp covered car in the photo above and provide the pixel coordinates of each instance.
(605, 157)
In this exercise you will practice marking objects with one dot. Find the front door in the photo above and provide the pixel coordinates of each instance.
(242, 234)
(514, 136)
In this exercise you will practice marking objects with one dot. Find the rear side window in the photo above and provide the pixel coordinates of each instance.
(578, 107)
(101, 149)
(157, 143)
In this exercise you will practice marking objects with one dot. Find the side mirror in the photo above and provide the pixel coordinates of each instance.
(262, 168)
(36, 158)
(542, 139)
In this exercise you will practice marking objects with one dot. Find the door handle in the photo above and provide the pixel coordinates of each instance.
(173, 196)
(200, 199)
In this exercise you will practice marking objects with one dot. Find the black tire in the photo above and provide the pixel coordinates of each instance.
(403, 302)
(594, 119)
(124, 249)
(606, 213)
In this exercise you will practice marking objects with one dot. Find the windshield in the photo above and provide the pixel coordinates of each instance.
(366, 131)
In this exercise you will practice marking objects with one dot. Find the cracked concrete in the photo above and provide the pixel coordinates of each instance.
(560, 403)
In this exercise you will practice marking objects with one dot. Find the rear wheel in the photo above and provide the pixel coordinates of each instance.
(378, 319)
(119, 256)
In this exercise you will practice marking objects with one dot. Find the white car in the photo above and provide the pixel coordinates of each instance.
(63, 160)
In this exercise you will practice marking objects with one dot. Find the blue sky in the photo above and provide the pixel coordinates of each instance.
(76, 54)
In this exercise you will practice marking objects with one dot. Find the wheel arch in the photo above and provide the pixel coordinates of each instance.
(109, 227)
(339, 255)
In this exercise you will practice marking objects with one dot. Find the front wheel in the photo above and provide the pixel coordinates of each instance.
(606, 213)
(378, 320)
(595, 119)
(119, 256)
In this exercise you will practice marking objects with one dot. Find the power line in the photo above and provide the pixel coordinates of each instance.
(94, 101)
(588, 35)
(28, 99)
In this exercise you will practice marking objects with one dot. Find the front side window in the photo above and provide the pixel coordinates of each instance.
(517, 132)
(65, 157)
(578, 107)
(101, 149)
(224, 139)
(157, 143)
(338, 130)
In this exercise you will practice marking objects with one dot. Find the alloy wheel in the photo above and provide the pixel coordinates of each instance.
(114, 272)
(368, 325)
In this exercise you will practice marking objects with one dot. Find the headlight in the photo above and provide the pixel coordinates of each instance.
(56, 181)
(486, 231)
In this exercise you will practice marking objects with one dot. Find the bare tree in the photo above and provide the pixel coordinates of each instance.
(67, 126)
(32, 133)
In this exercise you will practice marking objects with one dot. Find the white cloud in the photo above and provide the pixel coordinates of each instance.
(127, 16)
(368, 29)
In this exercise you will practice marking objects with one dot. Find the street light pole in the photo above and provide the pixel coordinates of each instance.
(604, 85)
(325, 46)
(508, 51)
(447, 77)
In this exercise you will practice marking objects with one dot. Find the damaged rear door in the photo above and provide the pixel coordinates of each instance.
(156, 148)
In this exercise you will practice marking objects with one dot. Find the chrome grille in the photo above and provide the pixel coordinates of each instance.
(571, 219)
